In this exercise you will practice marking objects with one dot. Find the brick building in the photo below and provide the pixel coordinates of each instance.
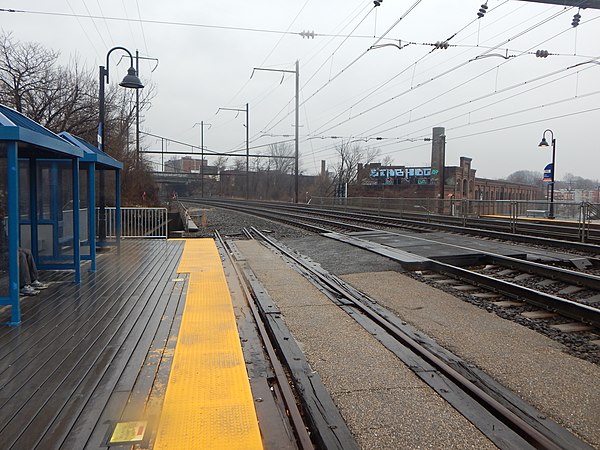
(460, 182)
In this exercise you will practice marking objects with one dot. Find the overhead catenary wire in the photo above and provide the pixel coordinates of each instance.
(85, 32)
(377, 88)
(355, 60)
(174, 23)
(443, 74)
(94, 22)
(105, 22)
(482, 97)
(137, 3)
(128, 23)
(487, 95)
(347, 36)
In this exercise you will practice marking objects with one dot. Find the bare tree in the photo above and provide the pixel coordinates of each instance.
(221, 163)
(65, 98)
(281, 158)
(25, 69)
(239, 163)
(525, 177)
(350, 155)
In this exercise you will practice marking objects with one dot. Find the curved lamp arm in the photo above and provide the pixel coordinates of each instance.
(108, 55)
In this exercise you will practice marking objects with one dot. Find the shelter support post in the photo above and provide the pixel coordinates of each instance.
(13, 233)
(76, 212)
(33, 194)
(118, 208)
(92, 214)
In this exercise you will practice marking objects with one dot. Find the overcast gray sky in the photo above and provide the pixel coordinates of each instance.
(494, 109)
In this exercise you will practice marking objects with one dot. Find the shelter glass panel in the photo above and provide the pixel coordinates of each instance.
(106, 196)
(55, 210)
(24, 204)
(83, 210)
(3, 221)
(67, 211)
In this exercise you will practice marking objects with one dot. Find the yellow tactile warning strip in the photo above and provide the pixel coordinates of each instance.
(208, 403)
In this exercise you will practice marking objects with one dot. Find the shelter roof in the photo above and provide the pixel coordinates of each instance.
(91, 153)
(39, 141)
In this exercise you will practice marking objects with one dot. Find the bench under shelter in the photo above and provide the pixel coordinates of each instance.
(48, 201)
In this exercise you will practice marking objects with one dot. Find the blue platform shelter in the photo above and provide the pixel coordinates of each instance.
(39, 202)
(93, 161)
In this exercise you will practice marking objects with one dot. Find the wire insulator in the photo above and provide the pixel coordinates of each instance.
(482, 10)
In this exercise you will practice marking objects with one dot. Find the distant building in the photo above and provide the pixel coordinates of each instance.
(187, 164)
(577, 195)
(460, 182)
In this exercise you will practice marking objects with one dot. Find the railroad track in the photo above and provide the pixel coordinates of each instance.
(499, 414)
(563, 235)
(310, 418)
(577, 307)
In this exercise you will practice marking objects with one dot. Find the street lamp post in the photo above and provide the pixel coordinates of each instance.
(544, 143)
(130, 81)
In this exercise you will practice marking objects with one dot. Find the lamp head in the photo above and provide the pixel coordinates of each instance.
(544, 142)
(131, 80)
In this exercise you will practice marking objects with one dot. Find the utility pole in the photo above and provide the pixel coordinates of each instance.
(438, 161)
(296, 125)
(137, 114)
(202, 155)
(247, 111)
(247, 155)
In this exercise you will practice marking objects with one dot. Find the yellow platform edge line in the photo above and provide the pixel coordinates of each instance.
(208, 402)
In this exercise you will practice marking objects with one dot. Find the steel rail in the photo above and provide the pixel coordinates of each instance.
(556, 273)
(567, 308)
(530, 434)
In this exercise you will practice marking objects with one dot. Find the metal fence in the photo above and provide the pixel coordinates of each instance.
(582, 213)
(138, 223)
(575, 211)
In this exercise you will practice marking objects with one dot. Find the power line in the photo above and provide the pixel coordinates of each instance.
(491, 94)
(142, 26)
(356, 59)
(173, 23)
(377, 88)
(94, 22)
(348, 35)
(522, 124)
(446, 72)
(85, 32)
(105, 22)
(129, 24)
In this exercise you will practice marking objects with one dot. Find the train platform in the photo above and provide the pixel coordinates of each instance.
(144, 352)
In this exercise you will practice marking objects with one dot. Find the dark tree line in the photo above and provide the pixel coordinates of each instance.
(65, 98)
(570, 181)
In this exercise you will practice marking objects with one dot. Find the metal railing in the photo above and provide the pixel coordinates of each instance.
(138, 223)
(581, 213)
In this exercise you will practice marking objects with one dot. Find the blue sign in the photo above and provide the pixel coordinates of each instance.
(548, 173)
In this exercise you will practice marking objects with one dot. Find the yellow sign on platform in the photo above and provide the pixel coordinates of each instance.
(128, 432)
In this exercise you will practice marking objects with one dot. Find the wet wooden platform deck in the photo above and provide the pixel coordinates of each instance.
(90, 355)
